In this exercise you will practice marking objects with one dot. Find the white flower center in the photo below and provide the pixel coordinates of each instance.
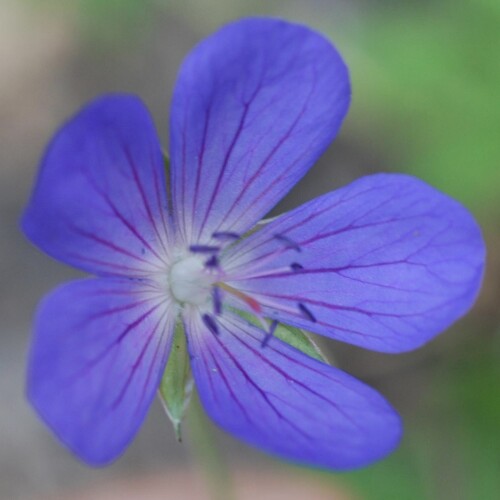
(190, 282)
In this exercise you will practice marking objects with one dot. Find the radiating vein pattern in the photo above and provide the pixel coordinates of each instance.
(253, 109)
(280, 400)
(385, 263)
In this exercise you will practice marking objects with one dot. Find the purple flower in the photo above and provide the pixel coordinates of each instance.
(385, 263)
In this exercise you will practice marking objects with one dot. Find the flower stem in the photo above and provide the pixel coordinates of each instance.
(208, 455)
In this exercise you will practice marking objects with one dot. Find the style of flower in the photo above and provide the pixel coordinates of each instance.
(385, 263)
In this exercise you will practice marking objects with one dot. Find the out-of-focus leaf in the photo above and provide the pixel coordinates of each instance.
(426, 82)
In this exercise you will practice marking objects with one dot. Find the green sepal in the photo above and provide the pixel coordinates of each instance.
(301, 340)
(296, 337)
(177, 383)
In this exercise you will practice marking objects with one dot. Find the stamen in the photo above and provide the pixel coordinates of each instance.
(217, 299)
(295, 266)
(225, 235)
(306, 312)
(203, 249)
(269, 334)
(288, 242)
(251, 302)
(212, 262)
(210, 323)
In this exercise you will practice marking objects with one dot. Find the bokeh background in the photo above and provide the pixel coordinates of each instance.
(426, 88)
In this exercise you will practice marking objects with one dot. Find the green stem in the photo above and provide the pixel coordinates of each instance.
(208, 455)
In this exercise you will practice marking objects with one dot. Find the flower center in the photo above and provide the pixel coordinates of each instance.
(190, 282)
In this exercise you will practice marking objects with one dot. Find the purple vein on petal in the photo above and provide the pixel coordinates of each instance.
(140, 187)
(260, 391)
(257, 260)
(119, 267)
(113, 310)
(252, 333)
(104, 242)
(296, 270)
(220, 371)
(163, 210)
(234, 141)
(288, 376)
(336, 307)
(180, 225)
(256, 175)
(318, 212)
(130, 327)
(201, 156)
(160, 344)
(295, 312)
(103, 195)
(251, 245)
(139, 359)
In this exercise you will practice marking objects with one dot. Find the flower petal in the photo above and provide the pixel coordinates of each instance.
(98, 353)
(286, 403)
(385, 263)
(100, 198)
(254, 106)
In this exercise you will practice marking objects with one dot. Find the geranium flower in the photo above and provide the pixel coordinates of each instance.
(385, 263)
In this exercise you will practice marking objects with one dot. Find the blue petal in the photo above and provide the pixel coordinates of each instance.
(285, 403)
(385, 263)
(100, 199)
(99, 350)
(254, 107)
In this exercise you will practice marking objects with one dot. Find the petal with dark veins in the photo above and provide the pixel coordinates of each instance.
(98, 352)
(254, 107)
(100, 202)
(286, 403)
(386, 263)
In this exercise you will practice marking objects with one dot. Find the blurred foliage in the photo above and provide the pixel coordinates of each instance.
(109, 22)
(451, 449)
(471, 384)
(426, 82)
(425, 75)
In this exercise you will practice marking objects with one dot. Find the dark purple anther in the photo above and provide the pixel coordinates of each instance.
(217, 299)
(210, 323)
(212, 262)
(203, 249)
(288, 242)
(225, 235)
(295, 266)
(306, 312)
(269, 334)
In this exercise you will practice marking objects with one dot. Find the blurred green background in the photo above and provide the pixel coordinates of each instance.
(426, 89)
